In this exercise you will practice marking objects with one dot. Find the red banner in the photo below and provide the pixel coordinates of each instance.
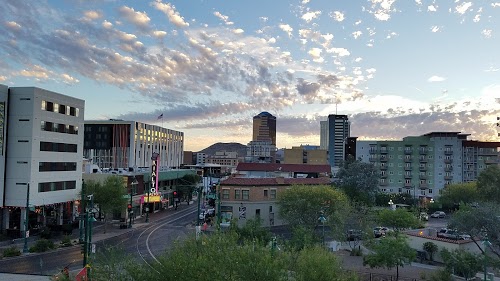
(82, 275)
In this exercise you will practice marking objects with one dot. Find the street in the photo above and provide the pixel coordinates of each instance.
(145, 241)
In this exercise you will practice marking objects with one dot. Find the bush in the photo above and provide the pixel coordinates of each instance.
(66, 241)
(11, 252)
(42, 245)
(46, 233)
(356, 252)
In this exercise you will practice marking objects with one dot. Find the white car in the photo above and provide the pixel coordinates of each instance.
(438, 214)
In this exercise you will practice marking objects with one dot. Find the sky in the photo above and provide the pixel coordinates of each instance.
(396, 67)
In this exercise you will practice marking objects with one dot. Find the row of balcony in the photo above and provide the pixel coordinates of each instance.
(406, 151)
(409, 159)
(408, 185)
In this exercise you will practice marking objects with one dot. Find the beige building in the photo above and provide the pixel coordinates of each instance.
(300, 155)
(249, 198)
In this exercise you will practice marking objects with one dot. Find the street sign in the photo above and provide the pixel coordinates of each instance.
(242, 212)
(27, 233)
(93, 249)
(126, 196)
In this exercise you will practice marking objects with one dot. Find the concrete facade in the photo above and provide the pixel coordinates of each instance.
(118, 144)
(338, 132)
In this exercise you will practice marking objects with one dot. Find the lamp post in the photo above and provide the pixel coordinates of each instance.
(82, 209)
(486, 243)
(88, 247)
(391, 204)
(26, 221)
(147, 207)
(130, 211)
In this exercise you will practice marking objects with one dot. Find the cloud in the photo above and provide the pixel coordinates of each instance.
(356, 34)
(286, 28)
(435, 28)
(139, 19)
(337, 16)
(432, 8)
(172, 15)
(382, 9)
(309, 16)
(91, 15)
(13, 25)
(495, 5)
(224, 18)
(487, 33)
(238, 31)
(436, 78)
(159, 33)
(69, 79)
(341, 52)
(315, 53)
(463, 7)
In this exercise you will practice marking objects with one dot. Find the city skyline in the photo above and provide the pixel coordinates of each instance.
(396, 68)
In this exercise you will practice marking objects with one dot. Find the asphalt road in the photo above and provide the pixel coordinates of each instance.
(144, 242)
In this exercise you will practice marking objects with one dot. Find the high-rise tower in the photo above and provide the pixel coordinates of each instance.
(338, 132)
(264, 127)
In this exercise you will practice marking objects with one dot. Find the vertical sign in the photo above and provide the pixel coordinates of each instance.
(154, 179)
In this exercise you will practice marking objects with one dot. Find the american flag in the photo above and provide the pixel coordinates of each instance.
(161, 116)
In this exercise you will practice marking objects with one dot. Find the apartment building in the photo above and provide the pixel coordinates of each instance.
(129, 145)
(306, 155)
(338, 133)
(42, 157)
(423, 165)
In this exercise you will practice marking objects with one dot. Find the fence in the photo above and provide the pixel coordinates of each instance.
(367, 276)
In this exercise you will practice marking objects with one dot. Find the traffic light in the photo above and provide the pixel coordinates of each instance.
(175, 194)
(129, 207)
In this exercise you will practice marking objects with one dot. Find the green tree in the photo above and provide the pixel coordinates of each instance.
(187, 184)
(109, 196)
(458, 193)
(389, 252)
(253, 230)
(478, 221)
(359, 180)
(488, 182)
(430, 248)
(462, 263)
(302, 205)
(398, 219)
(318, 264)
(382, 199)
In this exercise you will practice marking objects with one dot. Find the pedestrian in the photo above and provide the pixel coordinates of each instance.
(205, 226)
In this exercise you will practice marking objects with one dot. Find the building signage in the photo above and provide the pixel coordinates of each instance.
(151, 198)
(154, 173)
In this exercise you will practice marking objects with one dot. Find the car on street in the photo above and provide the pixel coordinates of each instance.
(452, 234)
(380, 231)
(438, 214)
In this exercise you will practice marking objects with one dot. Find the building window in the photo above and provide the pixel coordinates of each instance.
(273, 194)
(245, 194)
(265, 193)
(225, 193)
(430, 191)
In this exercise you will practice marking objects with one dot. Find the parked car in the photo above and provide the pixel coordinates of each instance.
(424, 216)
(380, 231)
(452, 234)
(438, 214)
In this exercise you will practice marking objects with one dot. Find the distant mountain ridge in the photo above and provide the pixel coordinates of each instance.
(229, 147)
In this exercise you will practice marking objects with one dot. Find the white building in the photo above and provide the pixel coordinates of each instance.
(43, 151)
(129, 145)
(260, 152)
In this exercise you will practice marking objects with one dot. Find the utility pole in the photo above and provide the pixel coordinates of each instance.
(26, 221)
(82, 209)
(147, 208)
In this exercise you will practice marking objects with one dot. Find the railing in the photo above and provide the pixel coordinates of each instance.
(368, 276)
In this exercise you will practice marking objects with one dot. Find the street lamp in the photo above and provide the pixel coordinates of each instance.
(391, 204)
(486, 244)
(130, 210)
(26, 219)
(147, 206)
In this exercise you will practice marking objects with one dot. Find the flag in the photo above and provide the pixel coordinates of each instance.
(161, 116)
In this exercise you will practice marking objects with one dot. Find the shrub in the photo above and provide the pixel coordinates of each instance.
(11, 252)
(42, 245)
(356, 252)
(46, 233)
(66, 241)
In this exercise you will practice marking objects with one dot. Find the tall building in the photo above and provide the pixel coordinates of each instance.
(323, 135)
(338, 132)
(423, 165)
(118, 144)
(306, 155)
(41, 161)
(261, 152)
(264, 127)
